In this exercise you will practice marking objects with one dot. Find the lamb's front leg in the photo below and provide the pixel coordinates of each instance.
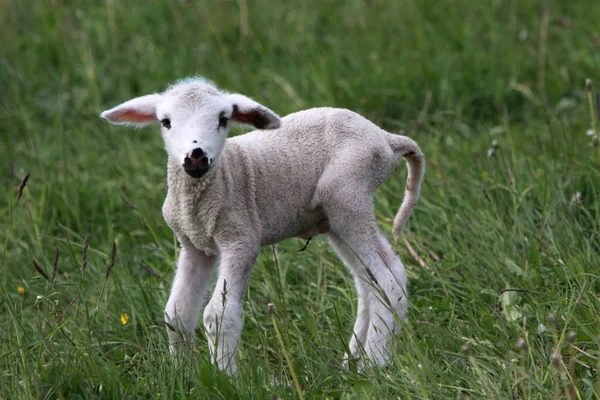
(187, 294)
(223, 314)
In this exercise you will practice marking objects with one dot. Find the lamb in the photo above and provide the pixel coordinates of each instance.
(312, 172)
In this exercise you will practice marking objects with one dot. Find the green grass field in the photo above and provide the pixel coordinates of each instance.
(503, 252)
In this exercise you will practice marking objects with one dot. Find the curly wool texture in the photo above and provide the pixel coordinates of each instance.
(271, 185)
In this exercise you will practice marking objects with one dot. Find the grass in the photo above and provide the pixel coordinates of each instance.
(505, 245)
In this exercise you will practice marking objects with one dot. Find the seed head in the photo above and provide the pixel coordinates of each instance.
(466, 349)
(556, 358)
(22, 186)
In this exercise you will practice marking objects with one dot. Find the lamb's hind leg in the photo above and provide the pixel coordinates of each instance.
(361, 326)
(187, 294)
(388, 302)
(375, 263)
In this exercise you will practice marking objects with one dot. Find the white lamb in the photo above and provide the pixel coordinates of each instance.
(310, 173)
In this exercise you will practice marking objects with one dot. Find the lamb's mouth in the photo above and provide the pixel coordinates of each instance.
(196, 166)
(195, 172)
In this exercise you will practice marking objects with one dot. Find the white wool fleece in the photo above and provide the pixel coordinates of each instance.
(312, 172)
(272, 184)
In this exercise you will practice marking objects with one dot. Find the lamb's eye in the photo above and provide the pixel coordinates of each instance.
(166, 122)
(223, 121)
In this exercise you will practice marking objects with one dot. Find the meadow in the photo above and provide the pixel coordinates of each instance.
(502, 251)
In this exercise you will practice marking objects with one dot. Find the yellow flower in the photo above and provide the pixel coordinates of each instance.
(21, 289)
(124, 318)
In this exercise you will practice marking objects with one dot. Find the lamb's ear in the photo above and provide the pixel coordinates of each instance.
(140, 111)
(248, 112)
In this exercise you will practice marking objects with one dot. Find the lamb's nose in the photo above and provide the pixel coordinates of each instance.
(197, 154)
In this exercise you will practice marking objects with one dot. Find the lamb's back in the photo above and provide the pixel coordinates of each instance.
(287, 163)
(311, 136)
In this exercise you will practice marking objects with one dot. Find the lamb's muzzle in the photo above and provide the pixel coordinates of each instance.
(312, 172)
(197, 163)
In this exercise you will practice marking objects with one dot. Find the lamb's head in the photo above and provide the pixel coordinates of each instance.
(195, 117)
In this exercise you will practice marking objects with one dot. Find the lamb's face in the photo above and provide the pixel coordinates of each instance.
(195, 118)
(195, 123)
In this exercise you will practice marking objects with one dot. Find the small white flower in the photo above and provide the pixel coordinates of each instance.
(590, 132)
(541, 329)
(523, 35)
(576, 198)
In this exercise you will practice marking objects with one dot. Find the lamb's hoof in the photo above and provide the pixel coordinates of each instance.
(352, 363)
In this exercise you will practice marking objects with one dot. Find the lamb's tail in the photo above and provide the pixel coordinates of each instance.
(408, 148)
